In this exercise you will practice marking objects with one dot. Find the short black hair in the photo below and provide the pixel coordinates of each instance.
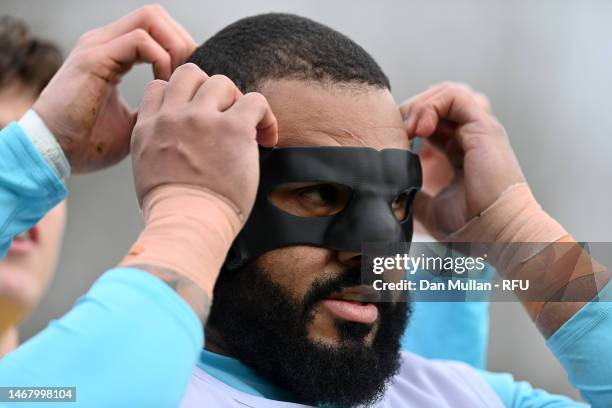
(286, 46)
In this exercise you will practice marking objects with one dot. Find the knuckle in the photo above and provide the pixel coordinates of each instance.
(483, 101)
(151, 10)
(140, 35)
(255, 99)
(84, 57)
(454, 87)
(223, 80)
(423, 107)
(188, 67)
(86, 38)
(497, 126)
(462, 89)
(154, 85)
(463, 86)
(444, 85)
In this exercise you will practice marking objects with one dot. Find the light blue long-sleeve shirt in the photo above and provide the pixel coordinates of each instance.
(450, 330)
(132, 341)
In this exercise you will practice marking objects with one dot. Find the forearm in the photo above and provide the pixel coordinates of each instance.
(524, 242)
(128, 326)
(186, 239)
(581, 277)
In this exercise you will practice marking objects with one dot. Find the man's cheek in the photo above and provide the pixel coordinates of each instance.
(296, 268)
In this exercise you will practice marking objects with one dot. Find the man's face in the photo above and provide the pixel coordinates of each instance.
(311, 115)
(276, 314)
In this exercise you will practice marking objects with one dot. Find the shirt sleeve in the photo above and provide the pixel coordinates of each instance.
(583, 347)
(130, 342)
(520, 394)
(464, 335)
(29, 187)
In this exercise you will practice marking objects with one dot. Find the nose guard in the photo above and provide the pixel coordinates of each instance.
(376, 178)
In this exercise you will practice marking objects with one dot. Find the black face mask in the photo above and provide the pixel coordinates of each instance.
(374, 179)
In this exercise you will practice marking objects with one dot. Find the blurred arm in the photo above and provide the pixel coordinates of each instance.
(130, 341)
(131, 328)
(29, 185)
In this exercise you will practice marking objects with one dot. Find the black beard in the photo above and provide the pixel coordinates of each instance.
(262, 326)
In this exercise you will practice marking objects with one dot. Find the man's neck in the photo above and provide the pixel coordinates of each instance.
(9, 340)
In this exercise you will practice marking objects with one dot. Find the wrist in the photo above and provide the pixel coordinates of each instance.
(45, 143)
(514, 218)
(188, 230)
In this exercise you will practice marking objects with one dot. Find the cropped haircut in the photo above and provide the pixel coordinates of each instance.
(285, 46)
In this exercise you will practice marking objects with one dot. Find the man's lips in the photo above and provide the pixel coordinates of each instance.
(353, 304)
(25, 242)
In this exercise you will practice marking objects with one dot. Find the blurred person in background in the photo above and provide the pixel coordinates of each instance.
(27, 64)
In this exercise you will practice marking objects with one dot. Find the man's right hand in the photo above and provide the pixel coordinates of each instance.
(81, 105)
(201, 131)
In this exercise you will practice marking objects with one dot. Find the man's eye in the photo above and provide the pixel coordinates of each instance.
(311, 199)
(320, 195)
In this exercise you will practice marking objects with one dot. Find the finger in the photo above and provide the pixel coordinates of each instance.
(483, 101)
(445, 141)
(218, 92)
(152, 98)
(448, 144)
(431, 91)
(407, 107)
(453, 103)
(184, 84)
(137, 46)
(254, 109)
(189, 44)
(154, 20)
(411, 106)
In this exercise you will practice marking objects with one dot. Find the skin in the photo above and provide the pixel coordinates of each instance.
(438, 172)
(24, 277)
(361, 117)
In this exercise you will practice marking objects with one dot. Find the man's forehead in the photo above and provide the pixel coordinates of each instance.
(314, 114)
